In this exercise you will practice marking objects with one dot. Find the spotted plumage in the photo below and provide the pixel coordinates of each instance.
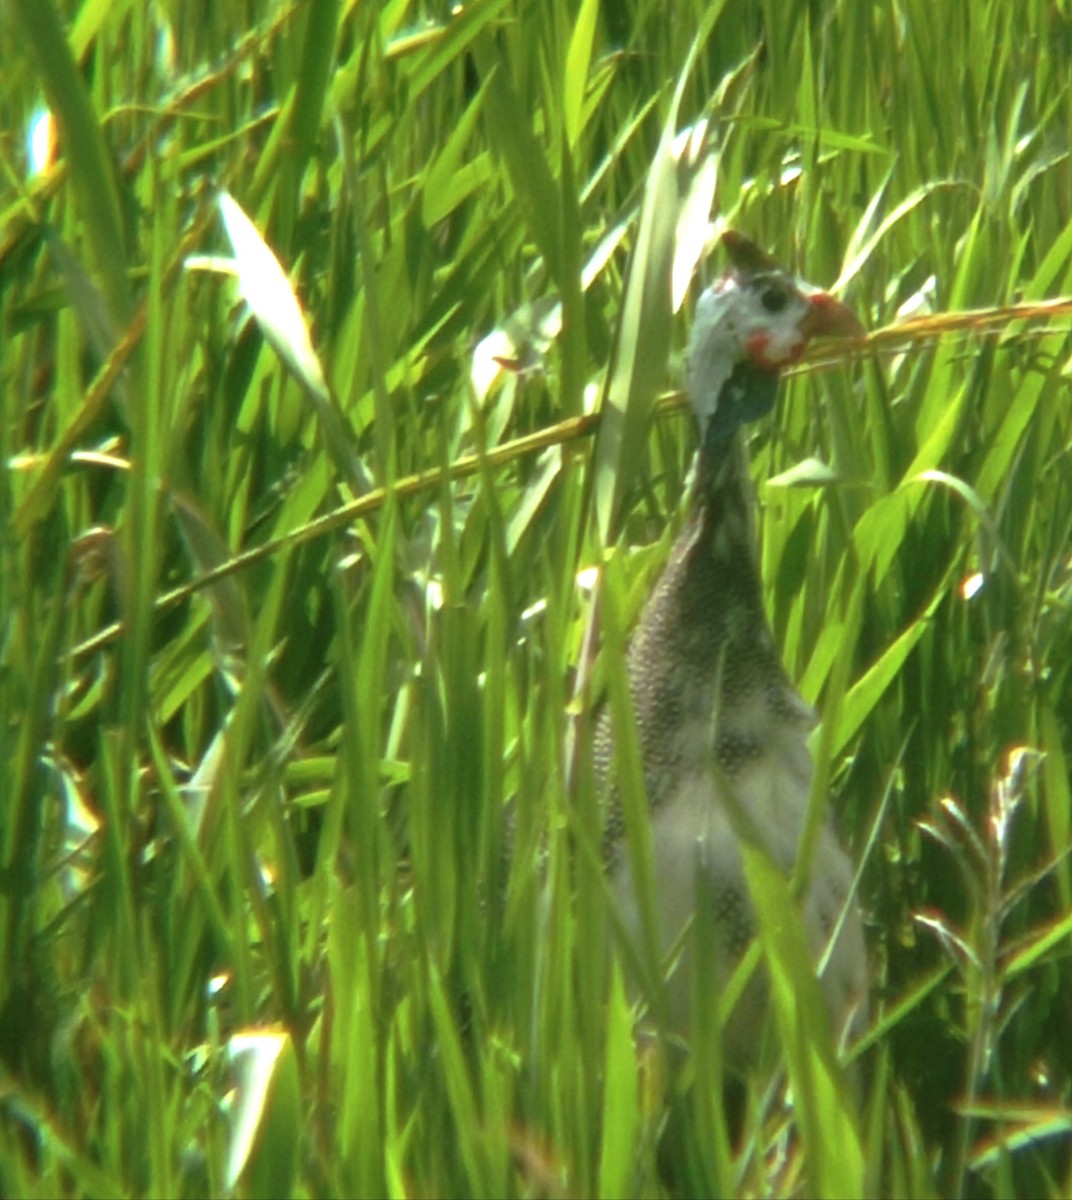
(713, 705)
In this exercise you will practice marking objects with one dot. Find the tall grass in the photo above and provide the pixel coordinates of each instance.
(260, 760)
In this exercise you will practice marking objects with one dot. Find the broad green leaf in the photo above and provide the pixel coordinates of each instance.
(578, 61)
(835, 1159)
(621, 1096)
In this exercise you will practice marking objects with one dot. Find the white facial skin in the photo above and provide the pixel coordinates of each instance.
(760, 317)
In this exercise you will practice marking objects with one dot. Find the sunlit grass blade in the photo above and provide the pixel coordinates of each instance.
(267, 1118)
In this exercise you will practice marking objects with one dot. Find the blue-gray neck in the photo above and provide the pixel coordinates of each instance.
(747, 395)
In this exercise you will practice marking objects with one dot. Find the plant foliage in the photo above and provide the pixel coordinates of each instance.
(294, 636)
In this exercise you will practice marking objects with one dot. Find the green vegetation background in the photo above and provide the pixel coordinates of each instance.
(276, 802)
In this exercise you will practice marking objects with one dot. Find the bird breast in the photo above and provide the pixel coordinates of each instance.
(697, 859)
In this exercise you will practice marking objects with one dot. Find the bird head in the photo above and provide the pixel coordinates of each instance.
(754, 321)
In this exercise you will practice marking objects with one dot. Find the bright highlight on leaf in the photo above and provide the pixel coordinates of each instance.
(488, 361)
(697, 161)
(265, 288)
(266, 1117)
(42, 142)
(972, 585)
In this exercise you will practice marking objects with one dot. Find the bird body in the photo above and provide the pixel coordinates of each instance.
(718, 722)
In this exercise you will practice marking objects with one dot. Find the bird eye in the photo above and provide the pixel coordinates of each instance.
(774, 299)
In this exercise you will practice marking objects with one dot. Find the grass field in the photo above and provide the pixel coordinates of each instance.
(279, 653)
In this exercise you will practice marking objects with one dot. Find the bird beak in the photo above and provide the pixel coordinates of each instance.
(827, 317)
